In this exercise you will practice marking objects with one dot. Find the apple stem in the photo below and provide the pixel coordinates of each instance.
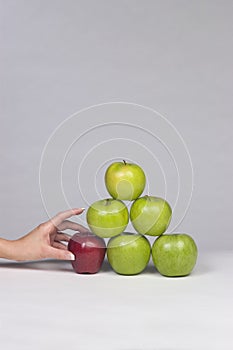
(124, 161)
(108, 201)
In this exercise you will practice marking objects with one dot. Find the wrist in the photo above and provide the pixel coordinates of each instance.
(7, 249)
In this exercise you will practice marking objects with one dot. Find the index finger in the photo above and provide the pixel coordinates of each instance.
(60, 217)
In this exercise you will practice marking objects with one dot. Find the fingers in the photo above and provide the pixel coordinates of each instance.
(72, 226)
(62, 237)
(59, 245)
(60, 254)
(59, 218)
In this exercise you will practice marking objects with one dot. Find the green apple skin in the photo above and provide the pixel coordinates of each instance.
(107, 217)
(150, 215)
(125, 181)
(174, 255)
(128, 253)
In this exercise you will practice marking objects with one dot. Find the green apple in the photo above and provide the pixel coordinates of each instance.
(107, 217)
(150, 215)
(128, 253)
(174, 254)
(125, 181)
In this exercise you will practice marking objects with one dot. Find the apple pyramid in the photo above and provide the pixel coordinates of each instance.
(129, 253)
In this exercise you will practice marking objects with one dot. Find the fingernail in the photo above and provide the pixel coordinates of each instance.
(79, 210)
(71, 256)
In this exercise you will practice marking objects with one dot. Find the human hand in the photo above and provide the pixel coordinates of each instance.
(45, 241)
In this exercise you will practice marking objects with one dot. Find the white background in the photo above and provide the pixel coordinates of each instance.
(45, 305)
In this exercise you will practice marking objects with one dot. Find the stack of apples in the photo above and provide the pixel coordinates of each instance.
(129, 253)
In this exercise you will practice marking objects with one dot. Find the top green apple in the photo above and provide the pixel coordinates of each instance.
(125, 181)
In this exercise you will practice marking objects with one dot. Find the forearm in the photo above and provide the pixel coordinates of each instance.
(7, 249)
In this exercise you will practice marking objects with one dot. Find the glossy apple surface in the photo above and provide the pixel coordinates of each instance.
(128, 253)
(89, 251)
(174, 255)
(150, 215)
(125, 181)
(107, 217)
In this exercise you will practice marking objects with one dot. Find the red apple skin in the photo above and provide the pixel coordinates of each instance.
(89, 251)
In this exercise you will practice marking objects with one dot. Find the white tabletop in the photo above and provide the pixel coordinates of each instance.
(45, 305)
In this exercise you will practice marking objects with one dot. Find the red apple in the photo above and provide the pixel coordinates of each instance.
(89, 251)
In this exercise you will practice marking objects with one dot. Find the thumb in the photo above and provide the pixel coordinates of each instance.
(54, 253)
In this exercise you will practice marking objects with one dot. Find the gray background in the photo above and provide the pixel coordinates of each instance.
(58, 57)
(174, 56)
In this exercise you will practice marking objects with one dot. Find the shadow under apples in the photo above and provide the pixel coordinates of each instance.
(200, 269)
(105, 266)
(150, 269)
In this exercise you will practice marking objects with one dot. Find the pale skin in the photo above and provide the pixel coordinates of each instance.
(45, 241)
